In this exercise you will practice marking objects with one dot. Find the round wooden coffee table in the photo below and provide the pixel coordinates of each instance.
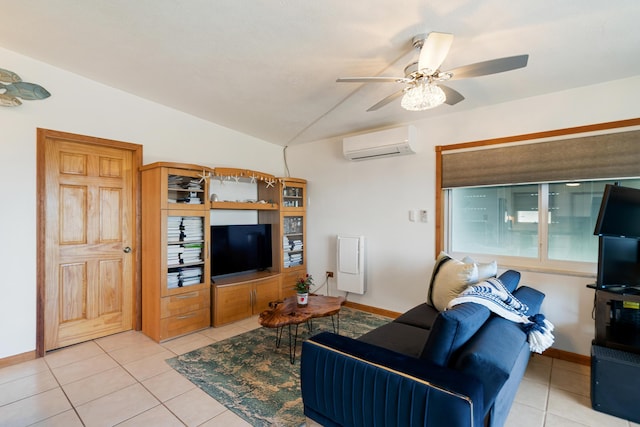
(287, 313)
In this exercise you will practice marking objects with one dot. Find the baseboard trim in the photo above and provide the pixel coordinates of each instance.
(18, 358)
(568, 356)
(550, 352)
(374, 310)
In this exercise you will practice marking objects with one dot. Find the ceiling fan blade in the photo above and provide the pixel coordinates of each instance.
(370, 79)
(453, 96)
(434, 51)
(492, 66)
(386, 100)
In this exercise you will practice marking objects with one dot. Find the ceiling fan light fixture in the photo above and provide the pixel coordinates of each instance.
(422, 96)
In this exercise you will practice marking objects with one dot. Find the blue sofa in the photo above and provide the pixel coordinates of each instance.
(459, 367)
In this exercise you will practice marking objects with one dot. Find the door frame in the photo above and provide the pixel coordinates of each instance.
(136, 150)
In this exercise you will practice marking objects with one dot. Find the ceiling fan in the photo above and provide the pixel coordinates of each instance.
(423, 79)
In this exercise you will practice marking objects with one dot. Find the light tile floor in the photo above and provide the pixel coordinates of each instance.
(124, 380)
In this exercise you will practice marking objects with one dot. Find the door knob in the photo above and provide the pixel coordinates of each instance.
(127, 250)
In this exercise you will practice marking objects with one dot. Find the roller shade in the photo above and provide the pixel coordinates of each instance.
(613, 155)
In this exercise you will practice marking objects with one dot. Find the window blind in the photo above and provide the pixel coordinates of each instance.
(612, 155)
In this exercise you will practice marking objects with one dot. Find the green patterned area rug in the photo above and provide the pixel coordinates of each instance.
(253, 378)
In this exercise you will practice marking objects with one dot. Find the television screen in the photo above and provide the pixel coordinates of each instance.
(619, 212)
(618, 263)
(240, 248)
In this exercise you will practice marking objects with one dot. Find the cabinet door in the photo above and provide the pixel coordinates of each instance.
(266, 291)
(232, 303)
(186, 261)
(184, 189)
(293, 253)
(293, 195)
(288, 281)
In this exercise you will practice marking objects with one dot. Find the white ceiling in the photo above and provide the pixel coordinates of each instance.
(267, 68)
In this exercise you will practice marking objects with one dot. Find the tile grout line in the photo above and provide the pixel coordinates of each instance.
(73, 407)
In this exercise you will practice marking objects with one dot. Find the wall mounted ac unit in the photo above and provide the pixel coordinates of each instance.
(385, 143)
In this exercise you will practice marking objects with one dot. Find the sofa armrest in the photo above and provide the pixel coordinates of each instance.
(346, 382)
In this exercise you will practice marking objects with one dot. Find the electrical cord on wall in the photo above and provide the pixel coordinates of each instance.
(322, 285)
(286, 165)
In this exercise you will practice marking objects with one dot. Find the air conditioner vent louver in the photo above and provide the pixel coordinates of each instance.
(385, 143)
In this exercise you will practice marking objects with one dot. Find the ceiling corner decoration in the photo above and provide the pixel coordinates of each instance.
(13, 90)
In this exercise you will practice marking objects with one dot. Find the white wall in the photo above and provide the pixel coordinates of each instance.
(78, 105)
(369, 198)
(373, 198)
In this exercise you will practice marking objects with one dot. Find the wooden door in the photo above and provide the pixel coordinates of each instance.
(87, 274)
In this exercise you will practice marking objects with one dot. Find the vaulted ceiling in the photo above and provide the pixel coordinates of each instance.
(268, 68)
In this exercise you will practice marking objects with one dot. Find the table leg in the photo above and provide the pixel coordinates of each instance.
(336, 323)
(292, 346)
(279, 336)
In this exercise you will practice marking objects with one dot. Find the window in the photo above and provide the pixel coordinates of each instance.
(548, 224)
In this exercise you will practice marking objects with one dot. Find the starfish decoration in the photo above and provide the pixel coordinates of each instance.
(270, 182)
(237, 178)
(205, 175)
(253, 178)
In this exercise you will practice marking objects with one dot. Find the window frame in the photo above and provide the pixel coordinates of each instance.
(542, 263)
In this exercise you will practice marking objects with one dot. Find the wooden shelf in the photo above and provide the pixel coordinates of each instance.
(245, 206)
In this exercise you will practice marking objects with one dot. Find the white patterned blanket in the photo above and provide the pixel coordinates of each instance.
(494, 295)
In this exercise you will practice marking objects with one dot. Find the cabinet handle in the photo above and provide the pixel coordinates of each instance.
(187, 296)
(186, 316)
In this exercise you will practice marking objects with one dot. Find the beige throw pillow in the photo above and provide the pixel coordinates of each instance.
(450, 277)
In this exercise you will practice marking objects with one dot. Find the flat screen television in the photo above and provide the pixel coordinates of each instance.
(240, 248)
(618, 262)
(619, 213)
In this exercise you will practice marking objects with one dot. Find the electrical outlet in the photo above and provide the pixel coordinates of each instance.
(329, 273)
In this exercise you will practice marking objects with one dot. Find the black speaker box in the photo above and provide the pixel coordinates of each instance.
(615, 382)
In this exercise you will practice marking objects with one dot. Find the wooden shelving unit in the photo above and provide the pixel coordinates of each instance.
(169, 192)
(176, 296)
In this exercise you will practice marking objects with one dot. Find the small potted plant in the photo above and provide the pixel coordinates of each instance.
(302, 286)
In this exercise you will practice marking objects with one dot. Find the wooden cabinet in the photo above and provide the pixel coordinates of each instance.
(240, 297)
(290, 224)
(177, 291)
(287, 282)
(176, 296)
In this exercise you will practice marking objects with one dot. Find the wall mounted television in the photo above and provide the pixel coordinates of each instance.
(240, 248)
(619, 213)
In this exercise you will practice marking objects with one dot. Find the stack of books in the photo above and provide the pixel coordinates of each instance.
(184, 277)
(174, 223)
(192, 229)
(174, 253)
(191, 276)
(191, 252)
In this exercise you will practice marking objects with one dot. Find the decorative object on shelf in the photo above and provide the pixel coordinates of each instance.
(235, 175)
(302, 287)
(16, 89)
(205, 175)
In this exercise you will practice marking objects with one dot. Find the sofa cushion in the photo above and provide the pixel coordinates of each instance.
(531, 297)
(450, 277)
(422, 316)
(451, 330)
(499, 349)
(491, 355)
(510, 279)
(399, 337)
